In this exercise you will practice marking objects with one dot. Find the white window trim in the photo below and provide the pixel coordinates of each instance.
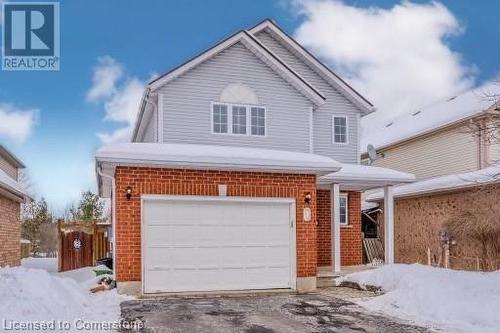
(230, 119)
(346, 129)
(346, 196)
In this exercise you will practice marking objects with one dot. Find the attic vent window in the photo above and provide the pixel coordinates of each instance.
(389, 124)
(416, 113)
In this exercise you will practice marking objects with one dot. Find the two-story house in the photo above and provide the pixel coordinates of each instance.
(453, 148)
(243, 172)
(12, 194)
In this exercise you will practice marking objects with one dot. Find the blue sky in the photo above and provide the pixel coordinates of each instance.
(143, 38)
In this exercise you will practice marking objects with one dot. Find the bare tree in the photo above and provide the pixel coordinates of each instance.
(48, 239)
(487, 127)
(481, 226)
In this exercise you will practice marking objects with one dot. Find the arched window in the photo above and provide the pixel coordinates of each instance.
(238, 112)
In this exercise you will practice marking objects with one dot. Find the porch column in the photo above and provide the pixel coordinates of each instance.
(389, 224)
(335, 226)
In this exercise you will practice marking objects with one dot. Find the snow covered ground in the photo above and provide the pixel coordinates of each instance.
(35, 293)
(456, 301)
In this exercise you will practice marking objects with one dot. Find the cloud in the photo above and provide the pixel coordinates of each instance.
(17, 124)
(106, 73)
(398, 57)
(120, 96)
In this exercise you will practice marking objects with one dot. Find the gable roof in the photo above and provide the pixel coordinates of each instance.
(434, 117)
(255, 47)
(252, 44)
(247, 38)
(331, 77)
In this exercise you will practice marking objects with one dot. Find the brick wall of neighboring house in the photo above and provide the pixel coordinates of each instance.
(10, 232)
(418, 221)
(197, 182)
(350, 236)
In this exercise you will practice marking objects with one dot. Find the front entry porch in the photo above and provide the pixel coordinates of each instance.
(339, 216)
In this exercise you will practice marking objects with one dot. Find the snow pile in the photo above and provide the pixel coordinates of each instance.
(458, 301)
(48, 264)
(34, 295)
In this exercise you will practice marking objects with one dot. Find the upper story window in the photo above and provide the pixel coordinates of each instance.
(258, 120)
(219, 118)
(238, 119)
(344, 214)
(339, 130)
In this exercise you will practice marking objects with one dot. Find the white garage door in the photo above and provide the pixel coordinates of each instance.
(213, 243)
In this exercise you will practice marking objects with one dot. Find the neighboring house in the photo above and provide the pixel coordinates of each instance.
(236, 158)
(440, 139)
(423, 209)
(12, 195)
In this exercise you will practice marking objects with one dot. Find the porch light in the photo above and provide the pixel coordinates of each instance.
(128, 192)
(308, 198)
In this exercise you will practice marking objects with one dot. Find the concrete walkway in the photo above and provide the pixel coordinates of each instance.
(319, 312)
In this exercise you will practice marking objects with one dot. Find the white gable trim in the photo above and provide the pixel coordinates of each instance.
(259, 50)
(332, 78)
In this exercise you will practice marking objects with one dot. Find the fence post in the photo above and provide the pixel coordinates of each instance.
(59, 246)
(477, 264)
(428, 256)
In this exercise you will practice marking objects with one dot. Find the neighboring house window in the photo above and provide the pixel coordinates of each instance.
(238, 119)
(339, 129)
(258, 121)
(344, 217)
(219, 118)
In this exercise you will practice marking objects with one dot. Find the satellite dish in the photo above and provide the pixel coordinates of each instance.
(372, 153)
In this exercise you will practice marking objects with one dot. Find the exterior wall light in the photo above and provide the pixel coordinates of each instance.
(308, 198)
(128, 192)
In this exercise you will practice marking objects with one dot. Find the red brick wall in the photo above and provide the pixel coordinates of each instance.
(350, 236)
(10, 232)
(198, 182)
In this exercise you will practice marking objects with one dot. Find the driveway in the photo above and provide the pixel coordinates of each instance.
(321, 312)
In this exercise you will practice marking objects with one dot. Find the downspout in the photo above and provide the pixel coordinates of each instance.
(113, 211)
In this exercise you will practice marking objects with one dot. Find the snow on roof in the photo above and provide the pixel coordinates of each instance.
(362, 177)
(445, 183)
(12, 186)
(429, 118)
(216, 158)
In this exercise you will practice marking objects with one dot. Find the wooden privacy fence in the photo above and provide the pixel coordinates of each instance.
(25, 248)
(81, 244)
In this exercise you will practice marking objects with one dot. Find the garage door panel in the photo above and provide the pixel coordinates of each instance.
(194, 245)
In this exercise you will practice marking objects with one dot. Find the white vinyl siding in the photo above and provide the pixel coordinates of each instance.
(150, 134)
(186, 103)
(8, 168)
(339, 129)
(322, 117)
(442, 153)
